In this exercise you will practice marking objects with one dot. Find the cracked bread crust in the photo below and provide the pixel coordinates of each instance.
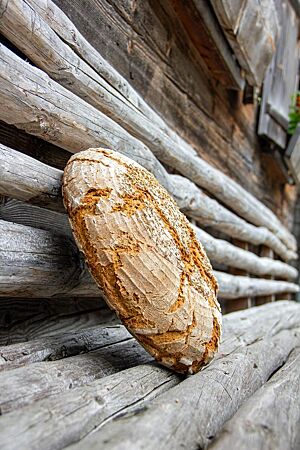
(143, 253)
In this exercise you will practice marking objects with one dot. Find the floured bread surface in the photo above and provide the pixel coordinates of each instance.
(143, 253)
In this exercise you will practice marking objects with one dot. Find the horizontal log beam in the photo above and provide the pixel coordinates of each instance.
(235, 286)
(222, 252)
(218, 250)
(48, 51)
(25, 319)
(39, 263)
(30, 383)
(88, 75)
(31, 182)
(215, 393)
(263, 417)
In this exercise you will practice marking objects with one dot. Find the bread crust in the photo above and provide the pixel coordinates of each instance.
(143, 253)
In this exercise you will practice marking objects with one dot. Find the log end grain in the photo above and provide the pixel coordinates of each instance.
(144, 254)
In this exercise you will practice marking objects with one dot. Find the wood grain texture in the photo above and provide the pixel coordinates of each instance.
(37, 263)
(61, 345)
(270, 418)
(282, 79)
(236, 286)
(252, 29)
(46, 378)
(206, 34)
(25, 319)
(59, 420)
(223, 252)
(23, 177)
(30, 180)
(85, 82)
(27, 179)
(145, 256)
(218, 250)
(204, 402)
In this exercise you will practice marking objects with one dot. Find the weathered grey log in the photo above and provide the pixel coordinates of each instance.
(196, 204)
(35, 262)
(41, 379)
(196, 409)
(59, 420)
(140, 120)
(91, 127)
(270, 418)
(221, 251)
(27, 179)
(39, 263)
(25, 319)
(13, 210)
(218, 250)
(234, 286)
(60, 117)
(61, 345)
(27, 188)
(46, 347)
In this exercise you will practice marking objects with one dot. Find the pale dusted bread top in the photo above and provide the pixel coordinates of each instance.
(143, 253)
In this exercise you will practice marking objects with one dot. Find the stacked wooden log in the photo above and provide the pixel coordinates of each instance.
(68, 384)
(75, 99)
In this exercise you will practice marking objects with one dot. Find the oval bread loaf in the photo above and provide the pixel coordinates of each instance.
(144, 255)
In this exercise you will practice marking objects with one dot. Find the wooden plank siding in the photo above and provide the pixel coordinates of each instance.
(281, 80)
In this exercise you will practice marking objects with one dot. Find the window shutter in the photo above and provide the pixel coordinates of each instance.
(251, 28)
(281, 80)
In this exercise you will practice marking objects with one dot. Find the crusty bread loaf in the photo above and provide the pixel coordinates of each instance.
(143, 253)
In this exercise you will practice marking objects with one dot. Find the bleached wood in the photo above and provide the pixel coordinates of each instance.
(208, 211)
(218, 250)
(38, 263)
(27, 319)
(13, 210)
(222, 252)
(30, 183)
(270, 418)
(194, 411)
(252, 29)
(41, 379)
(27, 179)
(60, 420)
(61, 345)
(235, 286)
(119, 100)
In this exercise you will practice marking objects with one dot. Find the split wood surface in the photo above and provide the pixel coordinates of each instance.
(88, 389)
(85, 80)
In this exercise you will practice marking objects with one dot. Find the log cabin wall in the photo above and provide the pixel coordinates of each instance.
(153, 62)
(148, 45)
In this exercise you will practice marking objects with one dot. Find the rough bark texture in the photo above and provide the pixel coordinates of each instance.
(145, 256)
(82, 80)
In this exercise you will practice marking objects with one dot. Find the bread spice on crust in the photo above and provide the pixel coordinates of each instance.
(144, 255)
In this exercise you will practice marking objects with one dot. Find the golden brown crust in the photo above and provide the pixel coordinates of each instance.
(144, 254)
